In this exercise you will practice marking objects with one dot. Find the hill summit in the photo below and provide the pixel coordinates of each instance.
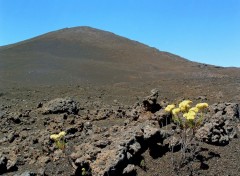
(85, 54)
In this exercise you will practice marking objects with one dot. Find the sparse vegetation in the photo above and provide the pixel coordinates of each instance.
(143, 164)
(188, 119)
(84, 172)
(59, 140)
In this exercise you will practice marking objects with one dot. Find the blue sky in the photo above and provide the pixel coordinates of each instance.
(206, 31)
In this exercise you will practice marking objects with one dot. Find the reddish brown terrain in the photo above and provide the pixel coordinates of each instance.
(106, 79)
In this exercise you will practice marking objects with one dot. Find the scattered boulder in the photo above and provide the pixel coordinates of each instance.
(3, 164)
(130, 169)
(7, 165)
(150, 102)
(221, 126)
(147, 109)
(40, 104)
(109, 155)
(60, 105)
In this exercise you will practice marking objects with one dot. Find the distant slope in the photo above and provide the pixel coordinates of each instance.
(84, 54)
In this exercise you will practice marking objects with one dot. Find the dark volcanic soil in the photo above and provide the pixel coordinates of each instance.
(16, 102)
(106, 75)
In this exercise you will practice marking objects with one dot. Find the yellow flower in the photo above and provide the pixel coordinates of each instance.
(175, 111)
(190, 115)
(169, 108)
(185, 105)
(62, 134)
(194, 109)
(84, 171)
(201, 106)
(55, 137)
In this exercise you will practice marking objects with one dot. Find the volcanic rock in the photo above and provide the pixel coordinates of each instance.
(150, 102)
(26, 173)
(3, 164)
(130, 169)
(221, 126)
(124, 145)
(60, 105)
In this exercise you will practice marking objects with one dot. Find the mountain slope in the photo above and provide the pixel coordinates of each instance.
(84, 54)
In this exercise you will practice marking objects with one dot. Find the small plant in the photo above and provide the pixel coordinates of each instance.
(59, 140)
(186, 116)
(143, 164)
(84, 172)
(188, 120)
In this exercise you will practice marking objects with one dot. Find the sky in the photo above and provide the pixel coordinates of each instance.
(206, 31)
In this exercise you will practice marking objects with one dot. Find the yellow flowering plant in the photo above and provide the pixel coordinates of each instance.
(84, 171)
(169, 108)
(188, 119)
(59, 139)
(185, 115)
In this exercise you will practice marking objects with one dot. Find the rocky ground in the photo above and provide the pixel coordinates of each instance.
(96, 86)
(124, 131)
